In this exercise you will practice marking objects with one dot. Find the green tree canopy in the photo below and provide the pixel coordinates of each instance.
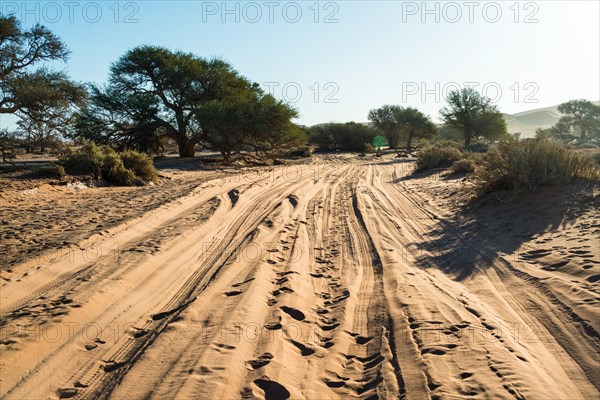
(350, 136)
(579, 117)
(414, 123)
(23, 89)
(256, 121)
(474, 115)
(398, 123)
(385, 120)
(155, 93)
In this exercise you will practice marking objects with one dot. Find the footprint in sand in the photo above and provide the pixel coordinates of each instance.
(66, 393)
(294, 313)
(259, 362)
(435, 350)
(273, 326)
(593, 278)
(138, 333)
(241, 283)
(304, 350)
(221, 347)
(281, 281)
(273, 390)
(271, 302)
(334, 384)
(362, 340)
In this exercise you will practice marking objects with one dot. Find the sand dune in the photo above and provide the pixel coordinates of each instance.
(527, 122)
(340, 278)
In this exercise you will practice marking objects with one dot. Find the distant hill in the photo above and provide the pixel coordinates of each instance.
(527, 122)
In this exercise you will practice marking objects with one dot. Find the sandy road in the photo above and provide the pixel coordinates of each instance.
(319, 281)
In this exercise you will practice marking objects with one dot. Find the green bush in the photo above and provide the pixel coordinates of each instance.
(140, 164)
(527, 164)
(53, 170)
(114, 170)
(438, 155)
(478, 147)
(448, 143)
(349, 136)
(87, 160)
(468, 163)
(303, 151)
(463, 166)
(129, 168)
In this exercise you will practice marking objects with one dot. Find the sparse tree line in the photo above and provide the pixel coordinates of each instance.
(155, 96)
(468, 115)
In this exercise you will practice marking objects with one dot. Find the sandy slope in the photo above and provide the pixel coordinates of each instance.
(335, 279)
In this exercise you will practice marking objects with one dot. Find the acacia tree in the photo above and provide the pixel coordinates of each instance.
(579, 116)
(156, 91)
(385, 119)
(415, 124)
(8, 140)
(28, 91)
(256, 121)
(45, 126)
(474, 115)
(122, 120)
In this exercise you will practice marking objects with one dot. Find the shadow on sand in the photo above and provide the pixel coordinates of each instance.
(502, 224)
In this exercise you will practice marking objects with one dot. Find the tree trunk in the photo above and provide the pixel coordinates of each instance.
(186, 148)
(409, 142)
(185, 145)
(467, 140)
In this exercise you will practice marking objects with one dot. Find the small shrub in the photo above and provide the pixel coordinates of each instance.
(448, 143)
(304, 151)
(585, 167)
(53, 170)
(129, 168)
(478, 147)
(596, 159)
(369, 148)
(87, 160)
(468, 164)
(463, 166)
(140, 164)
(114, 170)
(436, 156)
(527, 164)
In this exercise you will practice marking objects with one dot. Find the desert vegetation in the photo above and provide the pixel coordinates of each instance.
(153, 95)
(125, 168)
(156, 98)
(579, 124)
(532, 163)
(515, 165)
(174, 233)
(350, 136)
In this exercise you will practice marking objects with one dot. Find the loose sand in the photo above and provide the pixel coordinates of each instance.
(338, 278)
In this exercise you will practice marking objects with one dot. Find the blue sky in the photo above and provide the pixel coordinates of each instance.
(338, 59)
